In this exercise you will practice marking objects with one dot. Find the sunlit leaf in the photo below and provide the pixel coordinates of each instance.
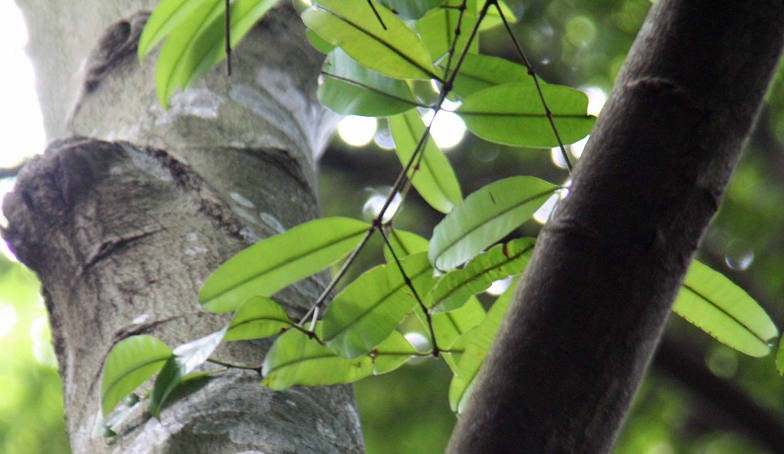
(296, 359)
(395, 51)
(130, 363)
(351, 89)
(187, 357)
(450, 326)
(725, 311)
(276, 262)
(259, 317)
(486, 216)
(493, 17)
(512, 114)
(484, 71)
(435, 180)
(370, 308)
(500, 261)
(477, 343)
(192, 49)
(404, 244)
(167, 15)
(438, 26)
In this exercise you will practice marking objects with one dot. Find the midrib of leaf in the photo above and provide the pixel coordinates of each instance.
(521, 114)
(732, 317)
(257, 319)
(385, 43)
(473, 276)
(302, 359)
(278, 265)
(475, 227)
(373, 89)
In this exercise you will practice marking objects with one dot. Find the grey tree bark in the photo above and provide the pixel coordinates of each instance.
(598, 291)
(133, 206)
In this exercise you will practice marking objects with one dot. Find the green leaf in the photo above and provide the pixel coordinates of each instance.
(168, 15)
(395, 51)
(404, 244)
(502, 260)
(493, 17)
(192, 49)
(479, 72)
(370, 308)
(437, 29)
(129, 364)
(512, 114)
(280, 260)
(187, 357)
(477, 343)
(435, 180)
(451, 326)
(351, 89)
(296, 359)
(258, 318)
(411, 9)
(714, 304)
(486, 216)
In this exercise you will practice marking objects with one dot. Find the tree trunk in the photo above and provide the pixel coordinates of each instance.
(125, 217)
(599, 289)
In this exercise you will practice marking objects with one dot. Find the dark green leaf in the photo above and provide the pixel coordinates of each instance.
(411, 9)
(434, 180)
(437, 29)
(512, 114)
(275, 262)
(351, 89)
(484, 71)
(259, 317)
(395, 51)
(370, 308)
(493, 17)
(722, 309)
(486, 216)
(500, 261)
(129, 364)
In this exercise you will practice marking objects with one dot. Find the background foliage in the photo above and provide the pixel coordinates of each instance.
(573, 42)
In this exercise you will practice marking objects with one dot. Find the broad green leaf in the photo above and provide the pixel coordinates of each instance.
(129, 364)
(351, 89)
(280, 260)
(486, 216)
(317, 42)
(477, 343)
(259, 317)
(296, 359)
(395, 51)
(437, 29)
(370, 308)
(512, 114)
(191, 51)
(404, 244)
(502, 260)
(450, 326)
(411, 9)
(435, 180)
(164, 18)
(187, 357)
(722, 309)
(493, 17)
(484, 71)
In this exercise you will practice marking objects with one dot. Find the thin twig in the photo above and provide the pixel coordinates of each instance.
(227, 25)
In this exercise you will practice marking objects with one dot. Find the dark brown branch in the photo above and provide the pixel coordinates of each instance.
(599, 289)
